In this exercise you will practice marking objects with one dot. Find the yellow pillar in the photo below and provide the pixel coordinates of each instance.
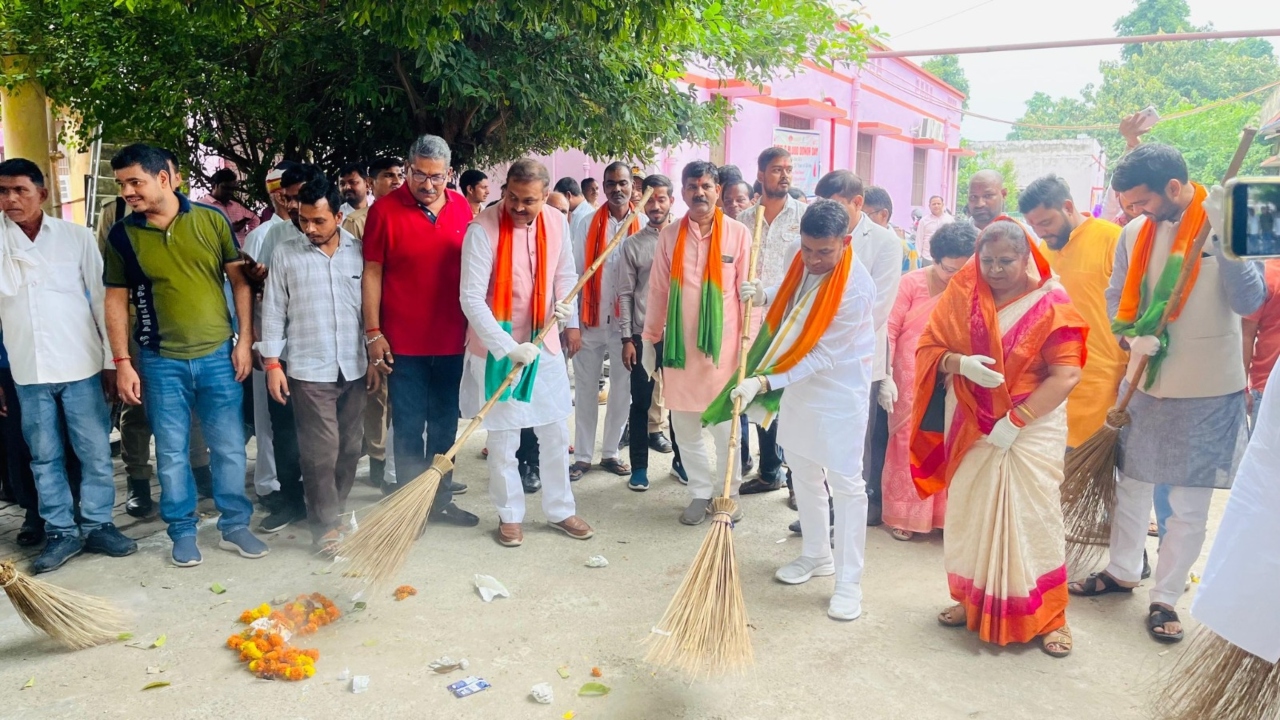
(24, 116)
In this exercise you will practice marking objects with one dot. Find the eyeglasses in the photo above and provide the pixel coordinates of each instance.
(421, 177)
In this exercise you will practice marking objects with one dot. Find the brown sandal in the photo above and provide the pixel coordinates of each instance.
(577, 470)
(1061, 638)
(954, 616)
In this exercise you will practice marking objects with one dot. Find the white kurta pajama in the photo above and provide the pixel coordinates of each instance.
(549, 408)
(822, 418)
(588, 362)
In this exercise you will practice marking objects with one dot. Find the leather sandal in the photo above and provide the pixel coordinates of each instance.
(616, 466)
(1158, 617)
(1061, 638)
(577, 470)
(1098, 583)
(954, 616)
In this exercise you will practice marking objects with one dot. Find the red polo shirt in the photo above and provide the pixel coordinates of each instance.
(421, 271)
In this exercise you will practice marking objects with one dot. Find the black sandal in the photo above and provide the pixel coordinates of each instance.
(1096, 584)
(577, 470)
(1157, 618)
(616, 466)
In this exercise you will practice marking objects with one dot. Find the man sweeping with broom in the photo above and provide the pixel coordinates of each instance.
(811, 363)
(1187, 420)
(516, 262)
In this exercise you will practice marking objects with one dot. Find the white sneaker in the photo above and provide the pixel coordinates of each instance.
(802, 568)
(846, 604)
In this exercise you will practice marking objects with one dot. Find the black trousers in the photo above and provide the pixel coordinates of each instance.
(284, 436)
(770, 453)
(528, 454)
(642, 387)
(877, 444)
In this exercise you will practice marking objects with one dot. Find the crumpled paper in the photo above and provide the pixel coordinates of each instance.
(490, 588)
(597, 561)
(542, 693)
(446, 664)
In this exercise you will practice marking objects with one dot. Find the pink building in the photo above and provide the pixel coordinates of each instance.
(891, 122)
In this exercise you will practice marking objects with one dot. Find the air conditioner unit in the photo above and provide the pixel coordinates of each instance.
(931, 129)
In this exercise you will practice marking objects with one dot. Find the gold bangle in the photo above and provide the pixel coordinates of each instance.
(1026, 412)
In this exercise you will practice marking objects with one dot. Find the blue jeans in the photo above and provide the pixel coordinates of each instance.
(171, 389)
(88, 425)
(423, 391)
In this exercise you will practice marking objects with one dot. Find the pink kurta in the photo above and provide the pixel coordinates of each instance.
(902, 506)
(693, 388)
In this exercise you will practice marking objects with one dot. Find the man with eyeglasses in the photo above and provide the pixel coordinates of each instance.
(414, 327)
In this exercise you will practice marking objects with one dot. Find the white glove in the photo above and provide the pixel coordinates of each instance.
(1144, 345)
(1004, 433)
(746, 390)
(563, 312)
(649, 359)
(888, 394)
(753, 290)
(975, 368)
(1214, 209)
(524, 354)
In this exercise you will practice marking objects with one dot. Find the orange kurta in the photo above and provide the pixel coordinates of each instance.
(1084, 268)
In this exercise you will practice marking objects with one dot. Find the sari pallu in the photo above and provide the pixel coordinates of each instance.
(1004, 546)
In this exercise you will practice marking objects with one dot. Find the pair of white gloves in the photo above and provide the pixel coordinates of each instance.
(526, 353)
(975, 368)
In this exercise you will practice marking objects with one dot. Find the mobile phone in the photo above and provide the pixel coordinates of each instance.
(1253, 217)
(1148, 118)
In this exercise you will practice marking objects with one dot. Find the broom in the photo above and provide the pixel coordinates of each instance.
(74, 619)
(1215, 679)
(1089, 488)
(378, 549)
(704, 629)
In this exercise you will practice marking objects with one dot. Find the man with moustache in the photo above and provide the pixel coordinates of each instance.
(601, 333)
(693, 308)
(517, 268)
(987, 194)
(591, 192)
(353, 184)
(387, 174)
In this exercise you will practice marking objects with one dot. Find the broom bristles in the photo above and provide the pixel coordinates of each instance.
(1215, 679)
(378, 549)
(704, 629)
(1089, 493)
(73, 619)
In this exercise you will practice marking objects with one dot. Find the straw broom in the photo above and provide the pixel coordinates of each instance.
(704, 629)
(74, 619)
(1089, 487)
(1215, 679)
(379, 548)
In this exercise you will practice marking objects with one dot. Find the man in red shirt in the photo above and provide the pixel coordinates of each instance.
(1262, 339)
(414, 327)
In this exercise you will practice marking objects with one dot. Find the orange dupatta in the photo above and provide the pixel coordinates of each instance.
(595, 245)
(965, 322)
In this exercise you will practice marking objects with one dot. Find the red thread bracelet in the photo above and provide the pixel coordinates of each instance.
(273, 366)
(373, 331)
(117, 361)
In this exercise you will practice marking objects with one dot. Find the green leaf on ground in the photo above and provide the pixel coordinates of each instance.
(156, 684)
(217, 589)
(160, 641)
(563, 670)
(30, 683)
(125, 636)
(593, 689)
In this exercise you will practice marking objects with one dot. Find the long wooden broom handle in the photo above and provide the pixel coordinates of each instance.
(757, 240)
(550, 324)
(1175, 297)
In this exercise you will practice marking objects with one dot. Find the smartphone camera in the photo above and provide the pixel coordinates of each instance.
(1253, 217)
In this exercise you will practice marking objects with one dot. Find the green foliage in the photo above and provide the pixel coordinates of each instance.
(985, 159)
(948, 68)
(345, 80)
(1172, 77)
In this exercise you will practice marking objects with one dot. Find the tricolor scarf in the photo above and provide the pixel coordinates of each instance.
(495, 370)
(595, 245)
(710, 303)
(1131, 321)
(771, 353)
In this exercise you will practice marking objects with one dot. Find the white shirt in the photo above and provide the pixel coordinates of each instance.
(252, 244)
(779, 236)
(312, 304)
(54, 328)
(579, 229)
(929, 225)
(584, 209)
(880, 251)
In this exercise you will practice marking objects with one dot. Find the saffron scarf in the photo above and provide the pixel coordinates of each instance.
(710, 303)
(767, 356)
(1130, 320)
(495, 370)
(595, 245)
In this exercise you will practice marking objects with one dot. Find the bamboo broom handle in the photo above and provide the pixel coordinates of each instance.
(1175, 296)
(549, 326)
(734, 424)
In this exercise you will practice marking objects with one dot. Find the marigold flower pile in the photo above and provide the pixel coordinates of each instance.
(265, 647)
(405, 591)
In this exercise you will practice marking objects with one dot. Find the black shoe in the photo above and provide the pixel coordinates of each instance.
(530, 478)
(204, 481)
(1146, 566)
(764, 483)
(873, 515)
(659, 443)
(272, 502)
(138, 500)
(61, 548)
(377, 472)
(453, 515)
(457, 488)
(280, 519)
(795, 527)
(31, 532)
(108, 540)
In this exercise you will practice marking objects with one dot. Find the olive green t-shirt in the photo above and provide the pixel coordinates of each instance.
(175, 278)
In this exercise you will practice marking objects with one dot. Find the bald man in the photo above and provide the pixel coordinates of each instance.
(987, 194)
(559, 201)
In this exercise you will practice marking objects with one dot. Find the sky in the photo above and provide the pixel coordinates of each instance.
(1000, 83)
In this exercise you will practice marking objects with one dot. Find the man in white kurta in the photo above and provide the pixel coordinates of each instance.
(601, 330)
(547, 410)
(824, 401)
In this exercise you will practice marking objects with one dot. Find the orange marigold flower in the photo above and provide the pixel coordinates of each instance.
(312, 653)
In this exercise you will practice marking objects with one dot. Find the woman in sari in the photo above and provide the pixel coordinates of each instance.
(1007, 345)
(904, 512)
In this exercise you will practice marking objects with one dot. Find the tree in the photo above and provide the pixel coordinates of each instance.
(948, 68)
(1172, 77)
(346, 80)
